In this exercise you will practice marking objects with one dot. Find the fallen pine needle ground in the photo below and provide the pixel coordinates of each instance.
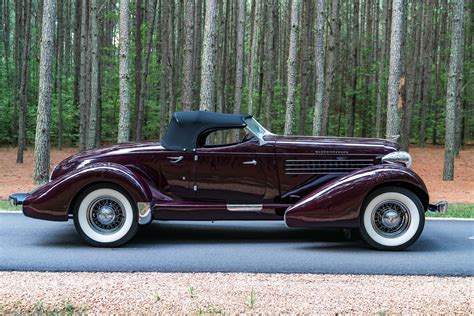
(232, 293)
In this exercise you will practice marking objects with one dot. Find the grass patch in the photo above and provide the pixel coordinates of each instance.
(455, 210)
(5, 206)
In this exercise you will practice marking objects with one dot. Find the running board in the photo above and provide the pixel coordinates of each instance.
(210, 206)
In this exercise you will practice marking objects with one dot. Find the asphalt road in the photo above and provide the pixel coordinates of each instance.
(445, 248)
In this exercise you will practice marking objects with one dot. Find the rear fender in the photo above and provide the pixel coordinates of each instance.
(338, 202)
(53, 200)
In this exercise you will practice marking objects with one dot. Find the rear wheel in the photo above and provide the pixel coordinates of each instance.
(105, 216)
(392, 218)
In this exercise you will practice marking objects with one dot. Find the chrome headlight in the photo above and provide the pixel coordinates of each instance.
(398, 157)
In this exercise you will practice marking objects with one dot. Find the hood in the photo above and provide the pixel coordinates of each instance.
(103, 154)
(336, 145)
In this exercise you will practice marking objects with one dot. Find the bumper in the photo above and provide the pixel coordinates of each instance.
(441, 207)
(16, 199)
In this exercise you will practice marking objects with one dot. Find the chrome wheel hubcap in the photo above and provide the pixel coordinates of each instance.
(390, 218)
(106, 215)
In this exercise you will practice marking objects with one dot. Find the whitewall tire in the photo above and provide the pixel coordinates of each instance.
(105, 216)
(392, 218)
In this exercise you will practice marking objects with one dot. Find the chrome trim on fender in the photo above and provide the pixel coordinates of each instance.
(144, 213)
(244, 207)
(400, 157)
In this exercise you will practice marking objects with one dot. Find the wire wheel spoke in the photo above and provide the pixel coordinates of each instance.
(106, 215)
(390, 218)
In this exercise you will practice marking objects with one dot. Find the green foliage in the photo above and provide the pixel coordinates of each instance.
(156, 296)
(251, 299)
(191, 292)
(38, 307)
(210, 310)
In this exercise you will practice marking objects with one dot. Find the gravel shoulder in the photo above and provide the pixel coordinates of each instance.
(197, 293)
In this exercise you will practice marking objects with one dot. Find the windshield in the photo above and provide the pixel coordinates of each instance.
(255, 128)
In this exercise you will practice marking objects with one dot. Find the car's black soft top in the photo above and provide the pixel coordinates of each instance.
(185, 127)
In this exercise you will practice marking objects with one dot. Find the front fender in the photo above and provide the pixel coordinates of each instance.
(338, 202)
(53, 200)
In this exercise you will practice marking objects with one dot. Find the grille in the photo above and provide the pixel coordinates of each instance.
(325, 166)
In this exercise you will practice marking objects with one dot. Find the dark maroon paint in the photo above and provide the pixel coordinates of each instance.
(329, 199)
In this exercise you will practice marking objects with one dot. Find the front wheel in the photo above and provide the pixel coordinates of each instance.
(392, 218)
(105, 216)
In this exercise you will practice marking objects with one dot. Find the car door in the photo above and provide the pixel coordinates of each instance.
(177, 174)
(230, 173)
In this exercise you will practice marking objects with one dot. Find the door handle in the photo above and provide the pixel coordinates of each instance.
(175, 159)
(251, 162)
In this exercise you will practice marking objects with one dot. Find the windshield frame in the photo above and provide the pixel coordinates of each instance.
(256, 129)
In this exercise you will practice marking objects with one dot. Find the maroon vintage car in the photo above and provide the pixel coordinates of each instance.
(214, 166)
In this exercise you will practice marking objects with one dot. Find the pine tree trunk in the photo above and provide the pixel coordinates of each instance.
(171, 58)
(331, 61)
(354, 71)
(253, 67)
(83, 106)
(139, 16)
(220, 70)
(380, 74)
(23, 89)
(164, 68)
(319, 70)
(406, 114)
(60, 49)
(94, 77)
(425, 61)
(144, 74)
(239, 71)
(306, 52)
(393, 118)
(77, 53)
(455, 64)
(187, 89)
(124, 44)
(292, 75)
(208, 57)
(42, 155)
(198, 46)
(269, 62)
(6, 44)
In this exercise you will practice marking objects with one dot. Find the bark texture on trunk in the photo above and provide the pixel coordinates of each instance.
(291, 64)
(83, 107)
(23, 76)
(269, 62)
(208, 57)
(393, 117)
(253, 67)
(187, 89)
(239, 68)
(319, 70)
(331, 63)
(455, 64)
(124, 44)
(43, 121)
(144, 73)
(94, 77)
(426, 61)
